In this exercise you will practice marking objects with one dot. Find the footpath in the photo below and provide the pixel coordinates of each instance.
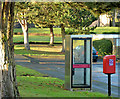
(54, 66)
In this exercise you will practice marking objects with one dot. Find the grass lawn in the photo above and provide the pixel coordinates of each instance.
(39, 30)
(39, 49)
(101, 30)
(20, 38)
(28, 72)
(34, 84)
(98, 30)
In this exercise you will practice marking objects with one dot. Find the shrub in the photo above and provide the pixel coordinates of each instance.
(104, 47)
(70, 31)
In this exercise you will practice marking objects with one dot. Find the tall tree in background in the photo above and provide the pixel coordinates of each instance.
(8, 86)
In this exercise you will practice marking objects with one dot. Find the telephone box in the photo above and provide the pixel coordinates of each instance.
(78, 61)
(109, 63)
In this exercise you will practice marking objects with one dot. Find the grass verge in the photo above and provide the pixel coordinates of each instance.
(34, 84)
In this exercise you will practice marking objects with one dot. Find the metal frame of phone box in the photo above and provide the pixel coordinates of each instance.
(69, 60)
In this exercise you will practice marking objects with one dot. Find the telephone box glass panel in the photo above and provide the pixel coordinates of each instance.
(81, 58)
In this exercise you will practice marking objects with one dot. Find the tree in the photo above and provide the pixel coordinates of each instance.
(22, 13)
(42, 15)
(98, 8)
(73, 15)
(112, 17)
(8, 85)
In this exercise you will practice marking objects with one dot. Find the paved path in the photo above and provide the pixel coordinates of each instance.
(55, 67)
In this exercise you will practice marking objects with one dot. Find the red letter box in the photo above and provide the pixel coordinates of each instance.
(109, 63)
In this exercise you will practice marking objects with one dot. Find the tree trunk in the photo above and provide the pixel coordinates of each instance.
(24, 25)
(98, 25)
(113, 18)
(26, 38)
(63, 37)
(7, 64)
(110, 22)
(51, 36)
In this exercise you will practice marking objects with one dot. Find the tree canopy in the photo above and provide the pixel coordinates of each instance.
(101, 7)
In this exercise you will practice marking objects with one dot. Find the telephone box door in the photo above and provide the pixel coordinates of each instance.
(81, 63)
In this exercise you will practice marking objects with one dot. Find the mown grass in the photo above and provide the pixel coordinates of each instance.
(98, 30)
(106, 30)
(20, 38)
(39, 30)
(39, 49)
(23, 71)
(34, 84)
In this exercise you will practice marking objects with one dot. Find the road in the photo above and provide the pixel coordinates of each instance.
(100, 80)
(55, 67)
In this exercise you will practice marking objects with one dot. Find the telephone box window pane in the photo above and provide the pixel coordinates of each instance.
(78, 51)
(78, 77)
(88, 52)
(87, 76)
(81, 77)
(81, 63)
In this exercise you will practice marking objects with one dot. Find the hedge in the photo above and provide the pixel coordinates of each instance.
(104, 47)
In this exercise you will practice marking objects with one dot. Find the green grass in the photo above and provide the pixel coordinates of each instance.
(20, 38)
(17, 30)
(23, 71)
(104, 30)
(98, 30)
(33, 52)
(39, 49)
(25, 52)
(39, 86)
(39, 30)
